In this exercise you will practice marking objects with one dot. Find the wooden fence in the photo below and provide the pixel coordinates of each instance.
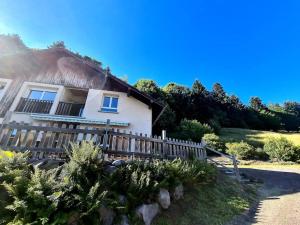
(51, 142)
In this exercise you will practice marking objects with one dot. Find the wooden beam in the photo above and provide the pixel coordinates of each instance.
(150, 105)
(128, 92)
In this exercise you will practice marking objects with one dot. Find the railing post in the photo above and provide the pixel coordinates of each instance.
(105, 138)
(164, 145)
(236, 169)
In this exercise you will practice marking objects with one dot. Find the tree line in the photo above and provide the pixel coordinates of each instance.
(218, 109)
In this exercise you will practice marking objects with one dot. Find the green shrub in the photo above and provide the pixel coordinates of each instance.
(14, 170)
(142, 180)
(281, 149)
(260, 154)
(191, 130)
(214, 142)
(241, 150)
(77, 189)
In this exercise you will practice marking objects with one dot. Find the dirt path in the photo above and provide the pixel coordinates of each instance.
(280, 203)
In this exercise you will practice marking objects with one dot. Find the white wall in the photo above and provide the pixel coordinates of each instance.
(130, 110)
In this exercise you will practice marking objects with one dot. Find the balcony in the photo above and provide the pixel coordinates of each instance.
(34, 106)
(69, 109)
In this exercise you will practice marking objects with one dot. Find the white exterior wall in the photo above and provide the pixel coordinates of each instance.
(130, 110)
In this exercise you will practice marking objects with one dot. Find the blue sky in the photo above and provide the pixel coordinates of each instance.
(251, 47)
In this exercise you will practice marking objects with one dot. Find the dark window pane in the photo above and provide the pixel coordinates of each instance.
(106, 101)
(35, 95)
(49, 96)
(114, 103)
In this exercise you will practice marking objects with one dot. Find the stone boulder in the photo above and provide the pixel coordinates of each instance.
(164, 198)
(118, 162)
(178, 192)
(147, 212)
(110, 169)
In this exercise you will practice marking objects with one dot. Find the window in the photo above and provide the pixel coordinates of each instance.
(110, 104)
(42, 95)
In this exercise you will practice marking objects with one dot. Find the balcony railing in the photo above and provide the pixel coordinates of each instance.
(34, 106)
(69, 109)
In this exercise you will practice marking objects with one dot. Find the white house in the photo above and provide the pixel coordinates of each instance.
(56, 86)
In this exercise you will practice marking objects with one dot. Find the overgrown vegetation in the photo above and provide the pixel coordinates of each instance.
(281, 149)
(76, 190)
(241, 149)
(214, 141)
(261, 145)
(218, 109)
(256, 138)
(191, 130)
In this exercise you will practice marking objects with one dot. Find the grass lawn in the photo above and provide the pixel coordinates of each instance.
(255, 137)
(209, 204)
(271, 165)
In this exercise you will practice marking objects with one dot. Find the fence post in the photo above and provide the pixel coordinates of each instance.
(236, 169)
(105, 138)
(164, 146)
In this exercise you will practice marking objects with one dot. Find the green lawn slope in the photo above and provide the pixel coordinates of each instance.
(211, 204)
(255, 137)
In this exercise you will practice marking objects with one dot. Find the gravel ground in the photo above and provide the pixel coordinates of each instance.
(280, 197)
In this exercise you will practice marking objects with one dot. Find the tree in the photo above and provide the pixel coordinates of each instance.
(191, 130)
(256, 103)
(219, 93)
(198, 89)
(57, 44)
(178, 98)
(150, 87)
(292, 107)
(167, 121)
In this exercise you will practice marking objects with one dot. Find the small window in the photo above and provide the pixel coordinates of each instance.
(110, 104)
(42, 95)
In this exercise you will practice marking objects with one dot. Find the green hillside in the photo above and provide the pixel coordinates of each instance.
(255, 137)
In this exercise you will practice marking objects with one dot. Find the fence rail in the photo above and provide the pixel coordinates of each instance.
(231, 159)
(52, 141)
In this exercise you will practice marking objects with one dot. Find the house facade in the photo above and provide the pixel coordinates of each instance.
(55, 86)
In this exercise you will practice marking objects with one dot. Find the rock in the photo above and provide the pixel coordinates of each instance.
(124, 220)
(40, 163)
(106, 215)
(164, 198)
(118, 162)
(110, 169)
(148, 212)
(178, 192)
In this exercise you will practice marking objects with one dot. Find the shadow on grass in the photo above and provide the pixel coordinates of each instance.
(209, 204)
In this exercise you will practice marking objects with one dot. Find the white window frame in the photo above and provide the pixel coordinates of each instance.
(110, 102)
(43, 93)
